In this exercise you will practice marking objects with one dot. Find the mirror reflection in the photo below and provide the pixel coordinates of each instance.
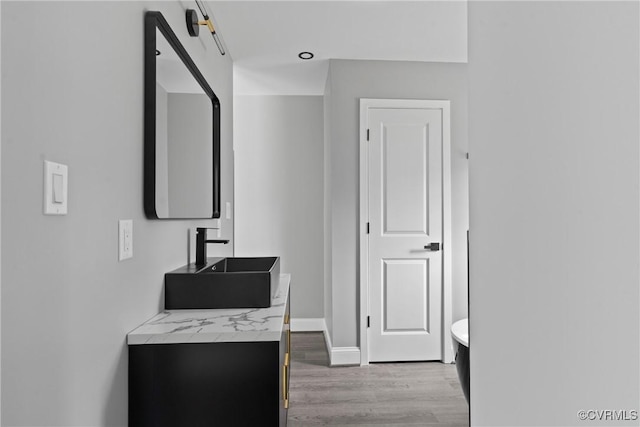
(184, 152)
(181, 130)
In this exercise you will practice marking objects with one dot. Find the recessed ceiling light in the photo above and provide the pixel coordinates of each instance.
(305, 55)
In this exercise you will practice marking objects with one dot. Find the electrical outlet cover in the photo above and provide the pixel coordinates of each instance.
(125, 239)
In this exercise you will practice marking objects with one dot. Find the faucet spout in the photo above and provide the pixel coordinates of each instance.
(201, 245)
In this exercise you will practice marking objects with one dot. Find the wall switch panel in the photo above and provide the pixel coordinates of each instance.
(125, 239)
(228, 210)
(55, 188)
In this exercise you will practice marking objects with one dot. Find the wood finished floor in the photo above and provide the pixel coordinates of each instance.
(381, 394)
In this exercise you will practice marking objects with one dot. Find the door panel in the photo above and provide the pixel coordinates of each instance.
(405, 214)
(405, 287)
(405, 196)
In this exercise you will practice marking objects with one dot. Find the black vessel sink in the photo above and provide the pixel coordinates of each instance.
(223, 283)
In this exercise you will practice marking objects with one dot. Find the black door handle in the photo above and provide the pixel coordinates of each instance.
(433, 247)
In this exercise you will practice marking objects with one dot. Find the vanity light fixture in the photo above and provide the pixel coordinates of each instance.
(305, 55)
(193, 24)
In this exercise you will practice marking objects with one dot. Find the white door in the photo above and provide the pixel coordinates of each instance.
(405, 230)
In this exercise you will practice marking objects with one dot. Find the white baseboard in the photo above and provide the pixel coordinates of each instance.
(307, 325)
(337, 355)
(345, 356)
(340, 355)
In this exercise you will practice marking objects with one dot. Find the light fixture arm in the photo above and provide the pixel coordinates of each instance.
(203, 10)
(193, 25)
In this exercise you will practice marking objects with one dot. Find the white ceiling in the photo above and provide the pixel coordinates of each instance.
(265, 37)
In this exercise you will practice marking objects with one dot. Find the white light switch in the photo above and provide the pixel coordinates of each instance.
(125, 239)
(58, 195)
(228, 210)
(55, 188)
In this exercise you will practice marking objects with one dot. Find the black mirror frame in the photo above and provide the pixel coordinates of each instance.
(153, 20)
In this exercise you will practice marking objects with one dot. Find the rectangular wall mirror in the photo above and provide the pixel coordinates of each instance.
(181, 130)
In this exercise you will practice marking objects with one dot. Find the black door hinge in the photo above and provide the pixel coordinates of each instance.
(367, 134)
(367, 228)
(368, 321)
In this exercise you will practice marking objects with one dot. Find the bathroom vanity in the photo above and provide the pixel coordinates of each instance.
(215, 367)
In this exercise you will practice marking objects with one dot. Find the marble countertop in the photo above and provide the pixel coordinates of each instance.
(219, 325)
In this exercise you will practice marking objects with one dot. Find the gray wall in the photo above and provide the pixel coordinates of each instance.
(554, 173)
(72, 93)
(0, 211)
(350, 81)
(279, 190)
(328, 269)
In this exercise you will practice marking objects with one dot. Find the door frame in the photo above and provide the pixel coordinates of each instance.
(446, 303)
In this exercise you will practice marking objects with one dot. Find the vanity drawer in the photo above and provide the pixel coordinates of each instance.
(226, 384)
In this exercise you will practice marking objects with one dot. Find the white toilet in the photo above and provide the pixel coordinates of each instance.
(460, 334)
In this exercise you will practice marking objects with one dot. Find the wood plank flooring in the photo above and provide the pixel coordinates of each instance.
(382, 394)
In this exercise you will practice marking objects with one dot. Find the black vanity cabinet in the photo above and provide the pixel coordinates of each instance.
(226, 382)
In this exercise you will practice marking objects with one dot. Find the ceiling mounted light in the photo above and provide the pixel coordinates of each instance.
(305, 55)
(193, 24)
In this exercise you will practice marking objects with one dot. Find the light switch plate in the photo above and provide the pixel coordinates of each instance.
(56, 195)
(125, 239)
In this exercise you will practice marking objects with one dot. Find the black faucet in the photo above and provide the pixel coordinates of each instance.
(201, 245)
